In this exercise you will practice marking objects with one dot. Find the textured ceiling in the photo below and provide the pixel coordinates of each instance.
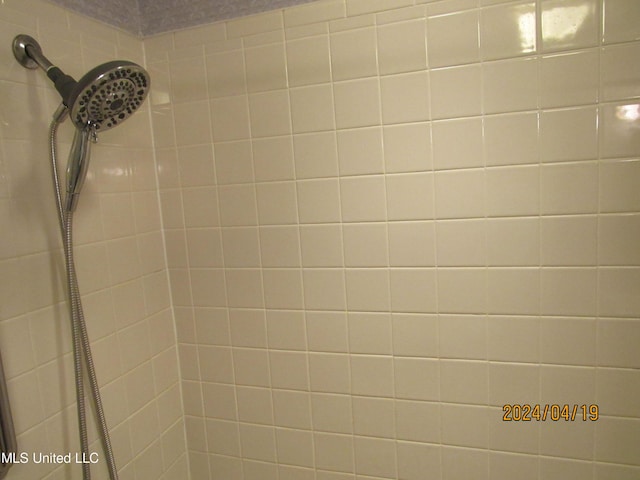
(148, 17)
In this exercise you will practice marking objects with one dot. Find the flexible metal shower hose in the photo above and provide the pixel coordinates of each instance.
(81, 344)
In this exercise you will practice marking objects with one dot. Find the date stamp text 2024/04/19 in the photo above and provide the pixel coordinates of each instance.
(514, 412)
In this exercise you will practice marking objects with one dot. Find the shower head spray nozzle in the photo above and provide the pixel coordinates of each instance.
(103, 98)
(108, 94)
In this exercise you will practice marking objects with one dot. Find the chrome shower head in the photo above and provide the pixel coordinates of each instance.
(108, 94)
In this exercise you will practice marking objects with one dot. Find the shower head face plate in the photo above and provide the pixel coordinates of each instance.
(108, 95)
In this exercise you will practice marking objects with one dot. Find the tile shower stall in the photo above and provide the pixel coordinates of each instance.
(337, 241)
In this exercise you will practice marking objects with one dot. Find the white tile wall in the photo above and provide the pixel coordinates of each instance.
(446, 226)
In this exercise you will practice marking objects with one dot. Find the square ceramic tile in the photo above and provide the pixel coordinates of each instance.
(273, 159)
(375, 456)
(513, 291)
(524, 332)
(418, 421)
(367, 289)
(321, 245)
(353, 54)
(555, 346)
(196, 88)
(286, 330)
(329, 373)
(201, 207)
(233, 162)
(370, 333)
(415, 335)
(315, 155)
(520, 437)
(413, 290)
(292, 409)
(511, 139)
(465, 425)
(225, 73)
(405, 97)
(417, 378)
(258, 442)
(407, 147)
(415, 458)
(513, 242)
(462, 290)
(295, 447)
(569, 188)
(465, 462)
(617, 186)
(510, 85)
(511, 383)
(508, 30)
(280, 246)
(334, 452)
(283, 288)
(402, 47)
(357, 103)
(619, 73)
(463, 381)
(308, 61)
(619, 24)
(410, 196)
(373, 416)
(453, 39)
(462, 336)
(363, 198)
(569, 24)
(568, 291)
(277, 203)
(327, 331)
(411, 244)
(360, 151)
(192, 122)
(448, 152)
(578, 140)
(332, 413)
(289, 370)
(254, 405)
(241, 247)
(365, 245)
(456, 92)
(617, 238)
(616, 122)
(569, 78)
(317, 99)
(461, 243)
(246, 373)
(513, 191)
(265, 67)
(324, 289)
(460, 194)
(319, 201)
(619, 432)
(570, 240)
(238, 205)
(230, 118)
(270, 113)
(616, 340)
(244, 288)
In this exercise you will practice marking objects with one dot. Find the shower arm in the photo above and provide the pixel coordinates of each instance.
(29, 54)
